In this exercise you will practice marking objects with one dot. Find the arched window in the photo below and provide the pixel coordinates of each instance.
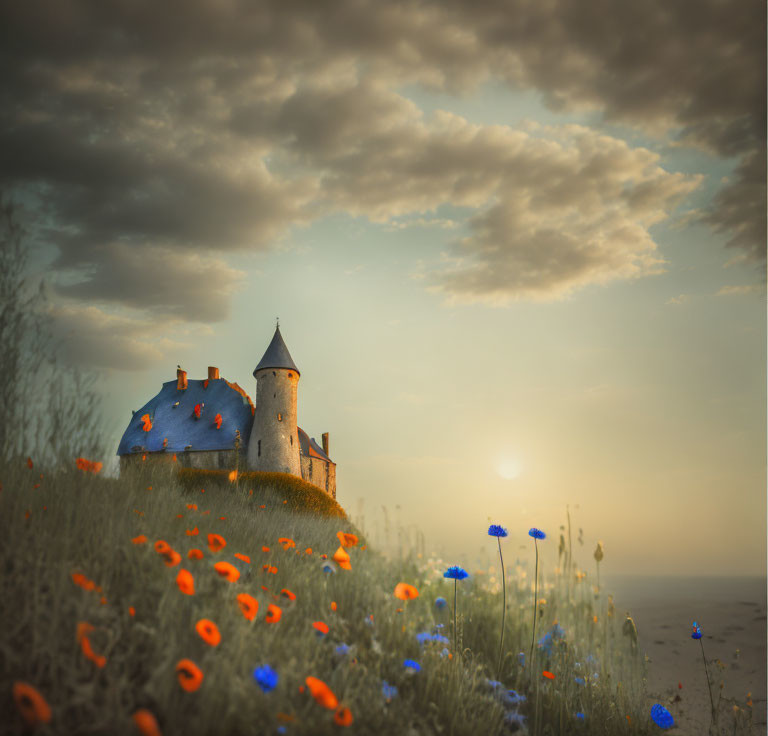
(259, 448)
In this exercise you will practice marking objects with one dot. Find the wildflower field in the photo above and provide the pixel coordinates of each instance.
(143, 606)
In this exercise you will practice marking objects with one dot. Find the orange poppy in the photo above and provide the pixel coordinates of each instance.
(549, 675)
(162, 547)
(405, 592)
(242, 557)
(323, 557)
(217, 421)
(131, 611)
(208, 631)
(342, 558)
(333, 605)
(195, 554)
(193, 532)
(274, 614)
(322, 693)
(308, 551)
(146, 723)
(79, 579)
(286, 543)
(321, 627)
(189, 674)
(30, 464)
(263, 506)
(248, 605)
(171, 558)
(347, 540)
(192, 506)
(179, 516)
(147, 422)
(265, 549)
(186, 582)
(89, 466)
(343, 717)
(222, 518)
(233, 475)
(98, 659)
(227, 571)
(265, 588)
(288, 594)
(216, 542)
(33, 707)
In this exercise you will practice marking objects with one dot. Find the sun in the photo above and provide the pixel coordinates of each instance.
(508, 468)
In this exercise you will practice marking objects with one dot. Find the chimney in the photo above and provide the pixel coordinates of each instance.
(213, 373)
(325, 443)
(181, 380)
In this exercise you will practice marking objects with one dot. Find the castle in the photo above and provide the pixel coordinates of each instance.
(213, 423)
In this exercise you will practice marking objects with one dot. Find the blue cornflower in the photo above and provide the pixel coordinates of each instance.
(438, 626)
(580, 716)
(662, 717)
(388, 691)
(696, 631)
(423, 637)
(579, 680)
(342, 649)
(266, 678)
(558, 632)
(329, 567)
(456, 573)
(493, 684)
(515, 698)
(545, 643)
(412, 664)
(440, 602)
(521, 659)
(536, 533)
(494, 530)
(439, 639)
(445, 653)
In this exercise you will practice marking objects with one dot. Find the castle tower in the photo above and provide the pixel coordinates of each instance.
(274, 442)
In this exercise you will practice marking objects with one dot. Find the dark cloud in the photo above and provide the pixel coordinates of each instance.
(92, 337)
(184, 285)
(197, 126)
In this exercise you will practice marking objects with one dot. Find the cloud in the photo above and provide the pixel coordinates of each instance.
(94, 338)
(741, 290)
(185, 285)
(194, 128)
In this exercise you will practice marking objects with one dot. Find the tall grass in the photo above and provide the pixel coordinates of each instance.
(77, 522)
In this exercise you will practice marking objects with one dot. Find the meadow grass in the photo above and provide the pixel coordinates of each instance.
(77, 522)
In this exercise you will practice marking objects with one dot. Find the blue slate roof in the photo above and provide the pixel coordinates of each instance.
(310, 448)
(276, 355)
(179, 425)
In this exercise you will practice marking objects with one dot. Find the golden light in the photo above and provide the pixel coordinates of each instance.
(509, 468)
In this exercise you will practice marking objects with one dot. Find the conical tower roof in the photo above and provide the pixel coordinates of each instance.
(276, 355)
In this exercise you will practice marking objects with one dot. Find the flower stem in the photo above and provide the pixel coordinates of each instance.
(535, 598)
(503, 606)
(706, 672)
(455, 633)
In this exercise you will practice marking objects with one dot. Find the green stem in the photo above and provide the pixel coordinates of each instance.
(503, 607)
(535, 598)
(455, 633)
(706, 672)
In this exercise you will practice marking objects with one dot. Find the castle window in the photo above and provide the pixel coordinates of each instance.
(310, 468)
(259, 448)
(291, 440)
(290, 375)
(273, 373)
(279, 417)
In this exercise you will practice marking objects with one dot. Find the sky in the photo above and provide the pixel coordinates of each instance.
(517, 249)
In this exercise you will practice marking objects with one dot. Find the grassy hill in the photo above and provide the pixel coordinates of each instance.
(95, 621)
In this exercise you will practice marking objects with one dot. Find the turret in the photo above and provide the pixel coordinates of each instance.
(274, 441)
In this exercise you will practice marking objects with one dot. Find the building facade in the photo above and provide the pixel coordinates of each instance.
(213, 424)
